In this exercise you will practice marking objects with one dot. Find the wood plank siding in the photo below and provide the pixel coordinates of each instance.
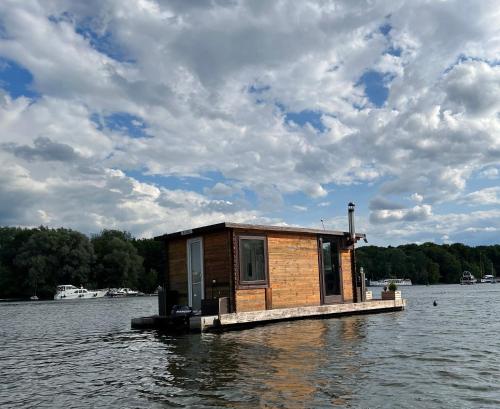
(250, 300)
(347, 276)
(293, 270)
(216, 265)
(177, 269)
(293, 273)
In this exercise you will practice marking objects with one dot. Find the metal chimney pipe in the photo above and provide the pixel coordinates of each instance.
(350, 213)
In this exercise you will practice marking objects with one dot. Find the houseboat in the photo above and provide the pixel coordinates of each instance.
(231, 273)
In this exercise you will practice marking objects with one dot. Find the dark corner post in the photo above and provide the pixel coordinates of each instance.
(358, 293)
(163, 309)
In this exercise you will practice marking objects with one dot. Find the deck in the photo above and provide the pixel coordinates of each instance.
(245, 319)
(214, 323)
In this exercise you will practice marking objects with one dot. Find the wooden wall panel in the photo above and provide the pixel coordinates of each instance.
(177, 269)
(217, 264)
(347, 275)
(293, 270)
(250, 300)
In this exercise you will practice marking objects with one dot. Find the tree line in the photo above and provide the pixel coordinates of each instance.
(37, 260)
(428, 263)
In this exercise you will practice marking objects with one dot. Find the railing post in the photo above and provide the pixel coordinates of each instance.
(162, 302)
(363, 284)
(223, 306)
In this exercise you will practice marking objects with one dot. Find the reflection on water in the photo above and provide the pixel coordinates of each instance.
(271, 366)
(83, 354)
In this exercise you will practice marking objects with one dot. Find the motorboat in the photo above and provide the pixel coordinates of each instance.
(386, 281)
(467, 278)
(115, 292)
(122, 292)
(489, 278)
(70, 292)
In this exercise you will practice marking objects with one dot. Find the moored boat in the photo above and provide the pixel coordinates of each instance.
(489, 278)
(70, 292)
(467, 278)
(122, 292)
(386, 281)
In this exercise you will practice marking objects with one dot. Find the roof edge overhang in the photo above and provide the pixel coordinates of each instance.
(257, 227)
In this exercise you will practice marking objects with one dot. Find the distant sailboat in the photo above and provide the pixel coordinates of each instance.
(34, 297)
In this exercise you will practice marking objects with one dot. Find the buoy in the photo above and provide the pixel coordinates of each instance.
(435, 303)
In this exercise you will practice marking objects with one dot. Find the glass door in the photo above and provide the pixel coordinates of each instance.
(195, 273)
(331, 276)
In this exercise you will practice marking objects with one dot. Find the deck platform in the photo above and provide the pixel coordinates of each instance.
(243, 319)
(214, 323)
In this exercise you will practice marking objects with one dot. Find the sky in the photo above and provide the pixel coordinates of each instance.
(158, 116)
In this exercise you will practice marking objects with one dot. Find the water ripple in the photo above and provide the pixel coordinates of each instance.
(83, 354)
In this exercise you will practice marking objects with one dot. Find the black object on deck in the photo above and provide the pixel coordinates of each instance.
(180, 314)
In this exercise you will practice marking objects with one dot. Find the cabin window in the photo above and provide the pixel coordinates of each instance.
(253, 263)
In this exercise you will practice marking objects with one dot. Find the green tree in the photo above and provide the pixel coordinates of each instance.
(450, 268)
(118, 263)
(153, 253)
(51, 257)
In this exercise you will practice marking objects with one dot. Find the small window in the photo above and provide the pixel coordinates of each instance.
(253, 264)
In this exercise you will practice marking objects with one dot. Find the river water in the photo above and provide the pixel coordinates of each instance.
(84, 354)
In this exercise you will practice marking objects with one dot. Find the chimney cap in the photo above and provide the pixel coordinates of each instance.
(351, 205)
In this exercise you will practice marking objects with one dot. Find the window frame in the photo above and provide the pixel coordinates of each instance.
(254, 283)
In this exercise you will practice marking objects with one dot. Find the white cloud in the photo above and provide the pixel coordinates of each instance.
(473, 87)
(222, 189)
(487, 196)
(109, 199)
(421, 212)
(481, 229)
(467, 227)
(185, 71)
(490, 173)
(417, 198)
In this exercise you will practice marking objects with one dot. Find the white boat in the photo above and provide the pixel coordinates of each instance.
(115, 292)
(467, 278)
(386, 281)
(488, 278)
(130, 293)
(122, 292)
(70, 292)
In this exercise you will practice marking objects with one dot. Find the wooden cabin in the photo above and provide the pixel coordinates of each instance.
(256, 267)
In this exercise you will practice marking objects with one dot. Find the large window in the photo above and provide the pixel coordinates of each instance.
(332, 278)
(253, 264)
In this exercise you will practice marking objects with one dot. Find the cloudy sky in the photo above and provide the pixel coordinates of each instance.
(154, 116)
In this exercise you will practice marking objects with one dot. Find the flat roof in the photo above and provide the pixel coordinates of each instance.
(261, 227)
